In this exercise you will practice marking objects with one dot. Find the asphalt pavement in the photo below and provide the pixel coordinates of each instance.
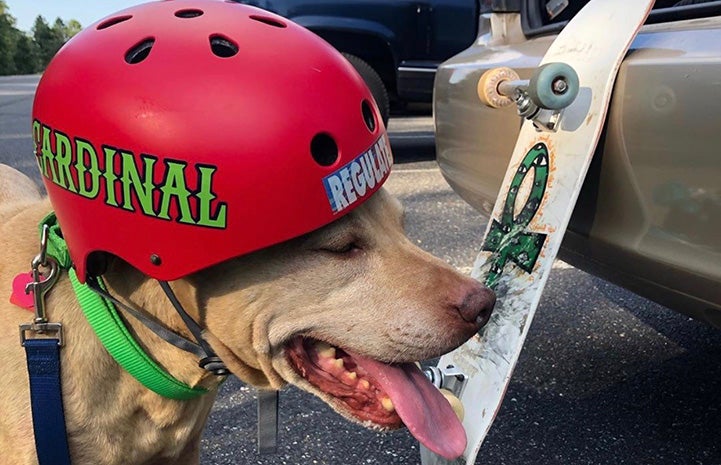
(606, 377)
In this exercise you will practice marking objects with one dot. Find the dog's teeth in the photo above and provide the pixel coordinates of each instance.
(349, 378)
(387, 404)
(364, 384)
(324, 349)
(338, 363)
(329, 352)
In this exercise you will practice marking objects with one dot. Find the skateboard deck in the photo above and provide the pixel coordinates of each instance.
(538, 195)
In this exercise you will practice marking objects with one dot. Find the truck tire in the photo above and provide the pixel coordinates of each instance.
(374, 83)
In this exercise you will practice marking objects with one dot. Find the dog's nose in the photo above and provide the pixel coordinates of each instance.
(477, 305)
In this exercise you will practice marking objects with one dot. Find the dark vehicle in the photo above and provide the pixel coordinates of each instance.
(395, 45)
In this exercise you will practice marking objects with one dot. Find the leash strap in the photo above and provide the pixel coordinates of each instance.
(51, 441)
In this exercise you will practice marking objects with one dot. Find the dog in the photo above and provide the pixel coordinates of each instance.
(340, 312)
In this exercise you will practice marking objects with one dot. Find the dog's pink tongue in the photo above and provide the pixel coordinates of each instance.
(427, 414)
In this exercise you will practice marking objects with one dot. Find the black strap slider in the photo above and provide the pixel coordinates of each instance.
(214, 365)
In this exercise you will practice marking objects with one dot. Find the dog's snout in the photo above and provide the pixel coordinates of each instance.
(477, 304)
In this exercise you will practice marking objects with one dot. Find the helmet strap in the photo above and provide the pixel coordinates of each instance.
(161, 331)
(210, 361)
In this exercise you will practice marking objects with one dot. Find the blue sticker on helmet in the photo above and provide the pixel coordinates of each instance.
(349, 184)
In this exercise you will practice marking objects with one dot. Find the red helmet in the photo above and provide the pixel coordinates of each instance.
(178, 134)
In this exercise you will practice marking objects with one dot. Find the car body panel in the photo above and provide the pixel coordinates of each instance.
(649, 216)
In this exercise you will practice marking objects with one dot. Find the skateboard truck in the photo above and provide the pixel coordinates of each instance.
(450, 381)
(541, 99)
(450, 378)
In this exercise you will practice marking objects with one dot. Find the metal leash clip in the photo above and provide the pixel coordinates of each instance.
(45, 274)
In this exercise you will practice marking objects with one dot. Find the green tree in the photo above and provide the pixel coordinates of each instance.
(26, 55)
(21, 53)
(7, 40)
(48, 39)
(72, 28)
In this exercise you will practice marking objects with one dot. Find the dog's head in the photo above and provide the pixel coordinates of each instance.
(343, 312)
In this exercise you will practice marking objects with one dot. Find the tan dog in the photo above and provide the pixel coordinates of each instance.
(356, 284)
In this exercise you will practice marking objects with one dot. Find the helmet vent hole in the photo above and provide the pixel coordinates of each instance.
(113, 21)
(140, 51)
(222, 46)
(188, 13)
(324, 149)
(269, 21)
(368, 116)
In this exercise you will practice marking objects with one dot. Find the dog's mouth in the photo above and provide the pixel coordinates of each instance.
(380, 394)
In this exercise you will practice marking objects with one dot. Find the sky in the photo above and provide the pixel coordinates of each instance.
(87, 12)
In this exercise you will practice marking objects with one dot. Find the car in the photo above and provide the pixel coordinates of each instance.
(648, 217)
(395, 46)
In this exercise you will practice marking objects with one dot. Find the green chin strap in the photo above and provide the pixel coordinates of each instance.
(111, 330)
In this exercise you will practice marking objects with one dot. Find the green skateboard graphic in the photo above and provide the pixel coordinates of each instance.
(509, 238)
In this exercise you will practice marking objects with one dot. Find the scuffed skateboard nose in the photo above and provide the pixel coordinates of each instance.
(477, 305)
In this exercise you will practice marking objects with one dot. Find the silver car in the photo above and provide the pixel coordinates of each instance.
(649, 215)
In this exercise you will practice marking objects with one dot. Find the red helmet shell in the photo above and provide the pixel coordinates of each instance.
(179, 134)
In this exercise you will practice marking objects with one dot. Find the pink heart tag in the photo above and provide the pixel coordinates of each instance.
(19, 297)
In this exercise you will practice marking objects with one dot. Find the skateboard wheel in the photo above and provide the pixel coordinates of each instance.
(553, 86)
(455, 402)
(488, 87)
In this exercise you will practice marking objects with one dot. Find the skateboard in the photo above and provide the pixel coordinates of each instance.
(564, 107)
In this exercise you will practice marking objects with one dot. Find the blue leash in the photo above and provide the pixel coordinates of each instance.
(51, 440)
(43, 359)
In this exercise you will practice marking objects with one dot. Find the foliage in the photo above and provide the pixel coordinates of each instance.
(23, 53)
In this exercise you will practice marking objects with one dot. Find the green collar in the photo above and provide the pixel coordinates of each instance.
(111, 330)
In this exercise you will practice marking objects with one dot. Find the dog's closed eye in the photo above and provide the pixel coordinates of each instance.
(345, 244)
(342, 248)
